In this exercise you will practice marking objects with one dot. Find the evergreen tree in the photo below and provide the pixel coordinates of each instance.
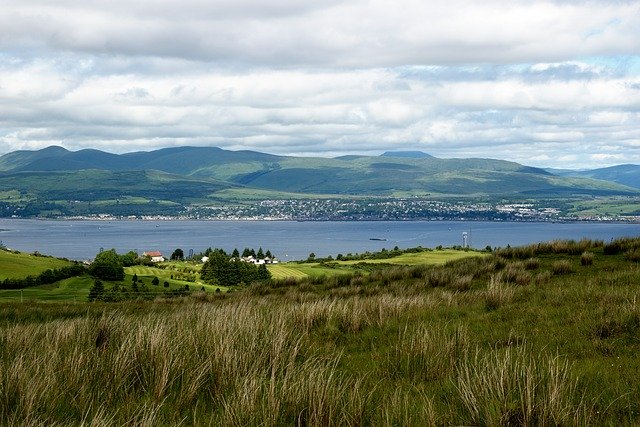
(97, 291)
(260, 254)
(134, 279)
(246, 252)
(155, 281)
(268, 254)
(263, 273)
(236, 253)
(177, 255)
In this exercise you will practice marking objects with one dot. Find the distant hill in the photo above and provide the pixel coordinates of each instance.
(622, 174)
(407, 154)
(184, 174)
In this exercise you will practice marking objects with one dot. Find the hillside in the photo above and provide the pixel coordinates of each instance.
(540, 335)
(622, 174)
(212, 169)
(20, 265)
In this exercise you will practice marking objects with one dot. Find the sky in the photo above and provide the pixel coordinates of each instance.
(543, 83)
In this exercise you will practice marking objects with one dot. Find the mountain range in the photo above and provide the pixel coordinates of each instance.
(188, 175)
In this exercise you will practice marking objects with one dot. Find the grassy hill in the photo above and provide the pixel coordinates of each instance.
(542, 335)
(210, 169)
(622, 174)
(17, 265)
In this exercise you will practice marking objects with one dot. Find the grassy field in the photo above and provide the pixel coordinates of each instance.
(314, 269)
(543, 335)
(76, 289)
(18, 265)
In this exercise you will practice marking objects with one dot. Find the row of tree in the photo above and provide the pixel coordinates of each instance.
(117, 292)
(228, 270)
(44, 278)
(246, 253)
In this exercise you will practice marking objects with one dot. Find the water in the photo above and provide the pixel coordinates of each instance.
(288, 240)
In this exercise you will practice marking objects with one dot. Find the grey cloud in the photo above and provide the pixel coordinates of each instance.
(357, 33)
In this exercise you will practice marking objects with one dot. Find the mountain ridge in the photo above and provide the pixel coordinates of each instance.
(390, 174)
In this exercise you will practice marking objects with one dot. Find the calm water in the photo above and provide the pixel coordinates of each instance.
(286, 239)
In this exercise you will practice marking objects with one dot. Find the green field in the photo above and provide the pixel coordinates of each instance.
(18, 265)
(175, 269)
(301, 270)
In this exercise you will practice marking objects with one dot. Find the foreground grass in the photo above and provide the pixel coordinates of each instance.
(536, 336)
(17, 265)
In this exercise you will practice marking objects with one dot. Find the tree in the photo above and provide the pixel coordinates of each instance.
(129, 259)
(260, 254)
(177, 255)
(107, 266)
(134, 279)
(263, 273)
(236, 253)
(268, 254)
(155, 281)
(312, 257)
(97, 291)
(246, 252)
(166, 284)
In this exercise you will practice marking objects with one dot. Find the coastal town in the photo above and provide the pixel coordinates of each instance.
(399, 209)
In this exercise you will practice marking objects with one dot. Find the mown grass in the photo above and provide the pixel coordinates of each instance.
(16, 265)
(470, 342)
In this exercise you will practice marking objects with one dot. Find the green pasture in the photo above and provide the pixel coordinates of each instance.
(434, 257)
(20, 265)
(73, 289)
(298, 271)
(147, 273)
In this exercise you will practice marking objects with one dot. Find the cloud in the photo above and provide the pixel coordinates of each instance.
(542, 83)
(355, 33)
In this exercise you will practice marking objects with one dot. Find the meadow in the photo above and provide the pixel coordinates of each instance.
(541, 335)
(14, 265)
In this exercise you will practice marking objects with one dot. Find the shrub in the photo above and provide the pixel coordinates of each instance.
(515, 273)
(562, 267)
(612, 248)
(633, 255)
(586, 258)
(497, 293)
(542, 277)
(532, 264)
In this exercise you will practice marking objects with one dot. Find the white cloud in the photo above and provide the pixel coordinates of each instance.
(535, 82)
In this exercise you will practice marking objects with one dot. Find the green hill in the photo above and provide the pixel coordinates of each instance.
(622, 174)
(17, 265)
(185, 174)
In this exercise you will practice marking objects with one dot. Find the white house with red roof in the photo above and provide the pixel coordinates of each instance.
(155, 256)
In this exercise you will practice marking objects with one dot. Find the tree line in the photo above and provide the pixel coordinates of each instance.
(45, 278)
(229, 270)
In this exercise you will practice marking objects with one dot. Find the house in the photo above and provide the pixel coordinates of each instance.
(155, 256)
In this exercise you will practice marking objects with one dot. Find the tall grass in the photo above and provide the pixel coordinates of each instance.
(417, 345)
(514, 387)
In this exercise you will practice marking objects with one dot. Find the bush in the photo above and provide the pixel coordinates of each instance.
(586, 258)
(532, 264)
(561, 267)
(633, 255)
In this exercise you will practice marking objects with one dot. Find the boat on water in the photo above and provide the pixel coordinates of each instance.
(378, 239)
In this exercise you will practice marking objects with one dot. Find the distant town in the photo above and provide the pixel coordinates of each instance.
(374, 210)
